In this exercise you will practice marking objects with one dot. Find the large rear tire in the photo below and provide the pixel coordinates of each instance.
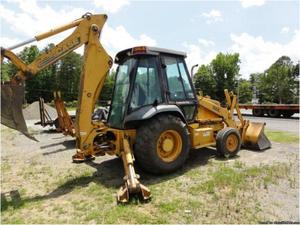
(162, 144)
(228, 142)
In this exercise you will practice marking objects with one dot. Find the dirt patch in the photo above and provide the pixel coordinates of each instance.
(32, 112)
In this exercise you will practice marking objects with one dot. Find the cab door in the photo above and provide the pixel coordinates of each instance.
(180, 90)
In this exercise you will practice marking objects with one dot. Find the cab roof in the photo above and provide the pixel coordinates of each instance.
(146, 50)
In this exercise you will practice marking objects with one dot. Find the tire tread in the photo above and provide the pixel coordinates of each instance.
(145, 143)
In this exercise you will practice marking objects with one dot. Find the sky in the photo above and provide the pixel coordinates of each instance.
(259, 30)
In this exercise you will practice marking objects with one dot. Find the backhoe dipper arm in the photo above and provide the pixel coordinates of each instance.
(96, 65)
(95, 68)
(80, 36)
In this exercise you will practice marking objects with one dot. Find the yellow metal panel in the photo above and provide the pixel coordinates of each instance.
(58, 29)
(214, 126)
(202, 136)
(206, 114)
(193, 126)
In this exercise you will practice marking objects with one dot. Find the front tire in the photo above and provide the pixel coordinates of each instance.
(162, 144)
(228, 142)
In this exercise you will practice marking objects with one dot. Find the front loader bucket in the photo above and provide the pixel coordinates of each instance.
(11, 108)
(255, 137)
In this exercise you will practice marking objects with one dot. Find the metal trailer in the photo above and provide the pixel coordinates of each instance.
(272, 110)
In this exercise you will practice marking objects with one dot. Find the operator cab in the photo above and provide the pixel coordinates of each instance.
(150, 81)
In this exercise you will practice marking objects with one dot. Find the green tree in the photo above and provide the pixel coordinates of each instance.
(222, 73)
(63, 75)
(226, 71)
(32, 87)
(296, 77)
(68, 76)
(6, 72)
(204, 81)
(244, 91)
(28, 55)
(48, 78)
(279, 82)
(107, 90)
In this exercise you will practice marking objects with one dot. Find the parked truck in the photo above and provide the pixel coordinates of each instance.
(272, 110)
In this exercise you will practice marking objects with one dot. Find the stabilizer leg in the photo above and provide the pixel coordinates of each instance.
(132, 186)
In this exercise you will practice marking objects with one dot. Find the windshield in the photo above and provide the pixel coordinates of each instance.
(121, 90)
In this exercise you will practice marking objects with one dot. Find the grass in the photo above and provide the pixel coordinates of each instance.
(5, 166)
(231, 180)
(282, 136)
(198, 196)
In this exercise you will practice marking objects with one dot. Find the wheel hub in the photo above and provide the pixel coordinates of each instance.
(232, 142)
(169, 145)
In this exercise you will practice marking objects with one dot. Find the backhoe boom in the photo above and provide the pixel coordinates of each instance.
(96, 65)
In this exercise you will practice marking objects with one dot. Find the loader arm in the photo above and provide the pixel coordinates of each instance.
(226, 114)
(211, 111)
(216, 109)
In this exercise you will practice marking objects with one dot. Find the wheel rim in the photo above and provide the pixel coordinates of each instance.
(232, 142)
(169, 145)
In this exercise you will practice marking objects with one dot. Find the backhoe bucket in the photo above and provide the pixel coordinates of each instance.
(11, 108)
(255, 137)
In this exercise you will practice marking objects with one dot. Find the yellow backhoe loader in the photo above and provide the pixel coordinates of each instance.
(155, 116)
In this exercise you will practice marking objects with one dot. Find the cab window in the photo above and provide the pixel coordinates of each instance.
(146, 88)
(121, 91)
(177, 78)
(185, 80)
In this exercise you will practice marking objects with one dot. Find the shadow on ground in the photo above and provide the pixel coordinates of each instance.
(108, 173)
(68, 144)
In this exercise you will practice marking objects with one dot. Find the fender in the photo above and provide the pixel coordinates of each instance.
(150, 111)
